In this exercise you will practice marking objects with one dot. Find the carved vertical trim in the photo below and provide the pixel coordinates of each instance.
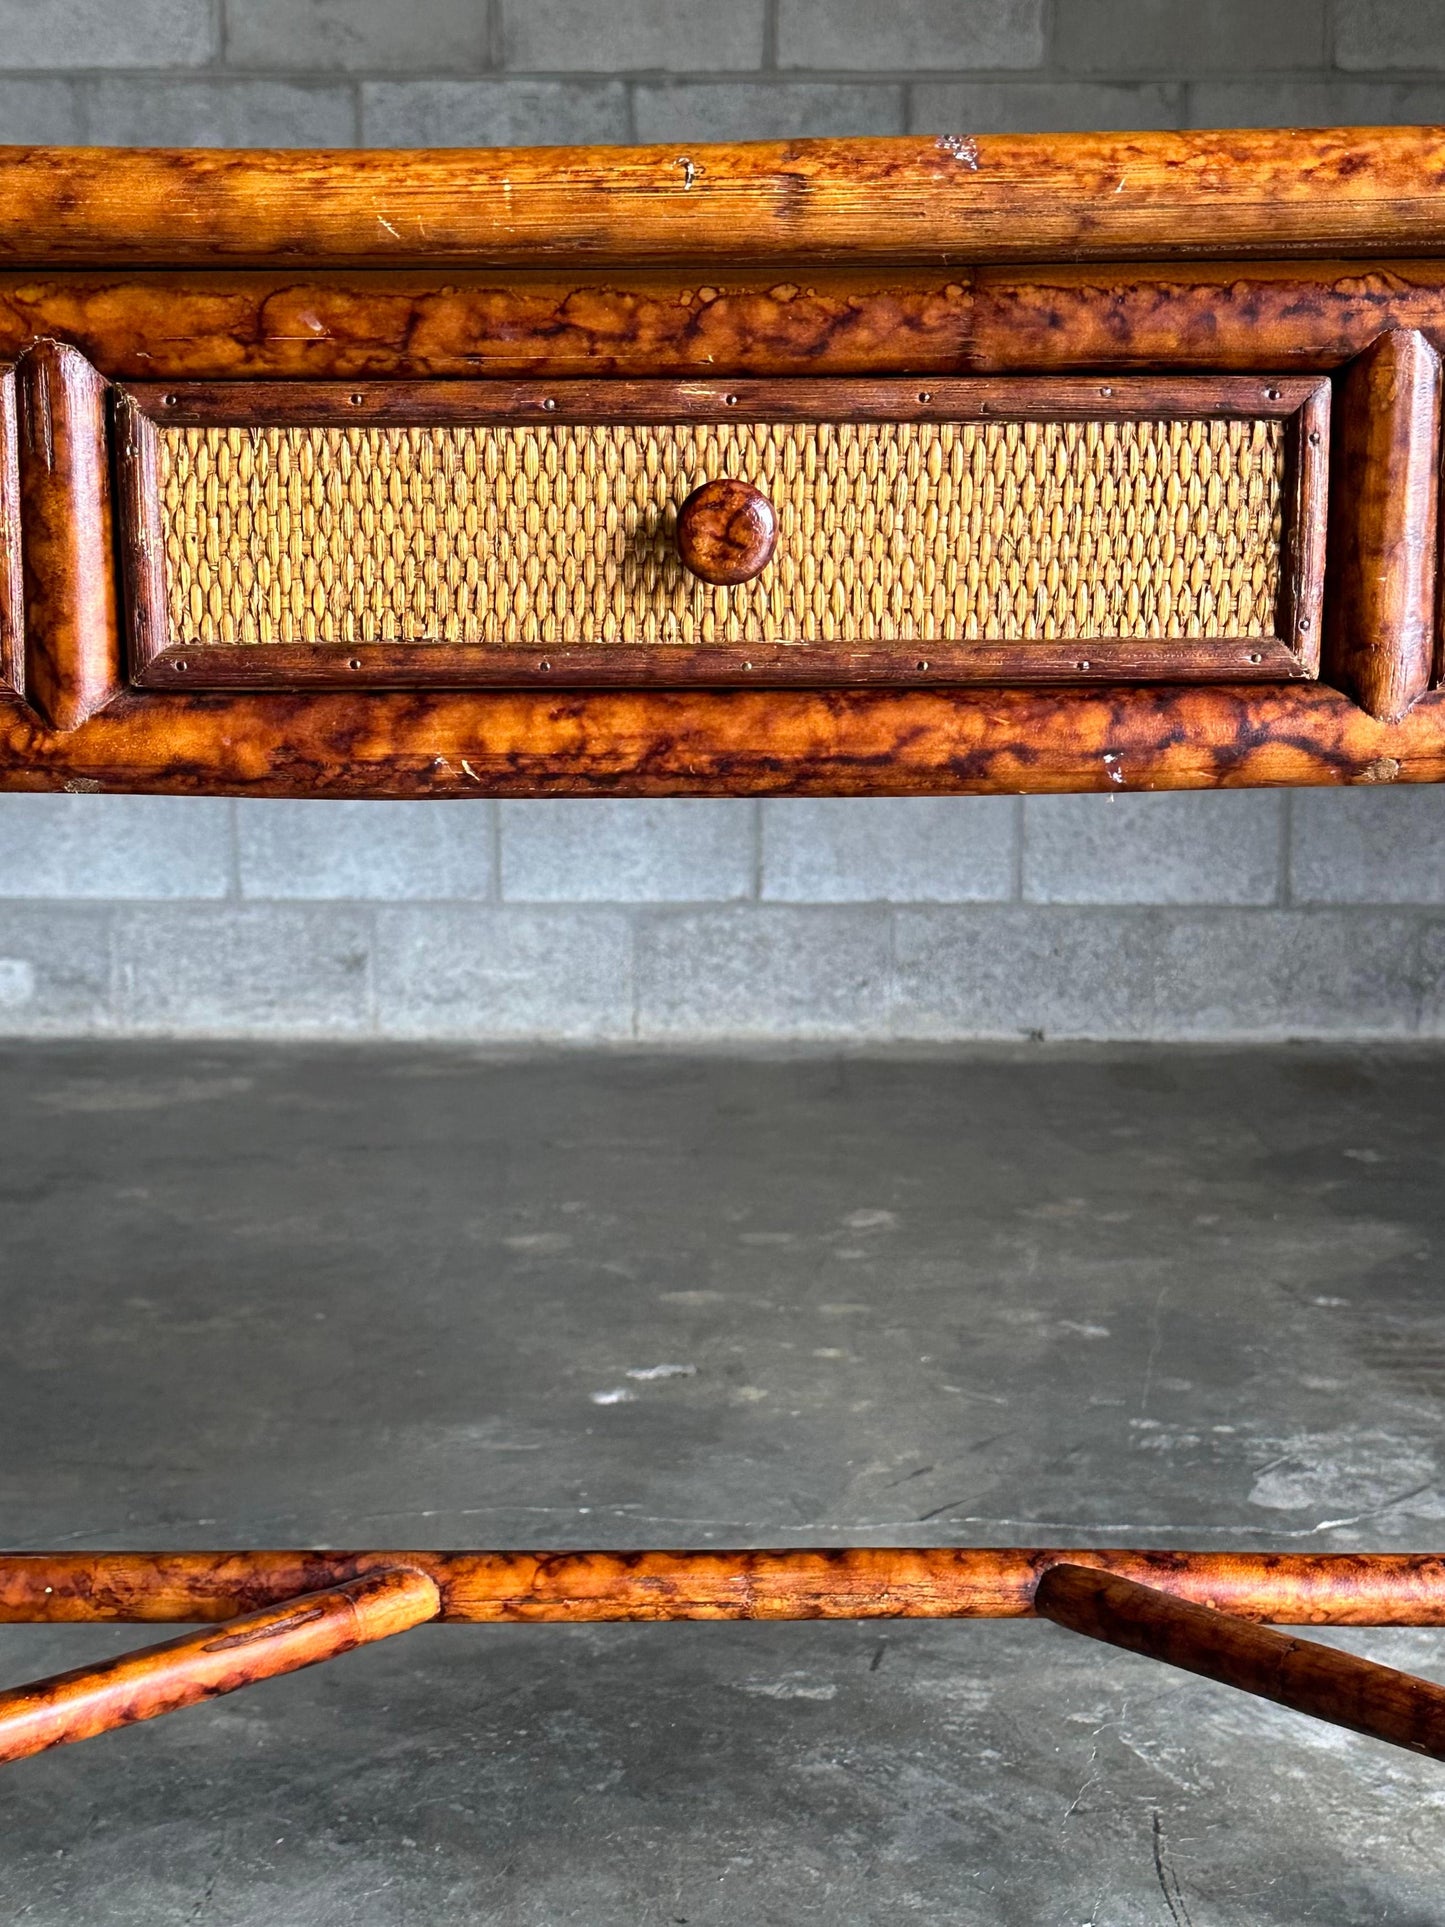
(141, 535)
(1306, 530)
(1383, 511)
(72, 622)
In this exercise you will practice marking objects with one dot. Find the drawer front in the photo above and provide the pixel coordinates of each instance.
(478, 533)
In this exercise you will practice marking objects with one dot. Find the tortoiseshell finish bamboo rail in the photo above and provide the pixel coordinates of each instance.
(1295, 275)
(291, 1609)
(851, 1582)
(279, 1638)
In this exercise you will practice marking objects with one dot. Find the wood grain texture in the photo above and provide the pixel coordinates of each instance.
(854, 1582)
(140, 536)
(72, 618)
(1306, 530)
(370, 665)
(995, 197)
(1258, 396)
(1292, 315)
(1289, 314)
(220, 326)
(1380, 643)
(1322, 1681)
(853, 742)
(280, 1637)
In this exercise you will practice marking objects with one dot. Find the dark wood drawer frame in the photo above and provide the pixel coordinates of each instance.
(157, 659)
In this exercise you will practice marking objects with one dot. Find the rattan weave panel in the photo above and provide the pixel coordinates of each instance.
(527, 535)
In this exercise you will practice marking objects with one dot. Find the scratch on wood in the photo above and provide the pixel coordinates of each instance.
(962, 148)
(41, 427)
(1384, 769)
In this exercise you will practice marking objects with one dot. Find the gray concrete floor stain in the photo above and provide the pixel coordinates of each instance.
(396, 1296)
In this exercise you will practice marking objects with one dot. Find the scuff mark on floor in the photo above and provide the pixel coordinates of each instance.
(1167, 1878)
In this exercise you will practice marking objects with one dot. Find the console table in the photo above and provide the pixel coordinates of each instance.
(825, 467)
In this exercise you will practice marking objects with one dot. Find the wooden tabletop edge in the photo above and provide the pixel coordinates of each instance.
(947, 198)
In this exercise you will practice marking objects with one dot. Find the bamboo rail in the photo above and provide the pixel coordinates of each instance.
(161, 1679)
(946, 200)
(854, 1582)
(293, 1609)
(1341, 1688)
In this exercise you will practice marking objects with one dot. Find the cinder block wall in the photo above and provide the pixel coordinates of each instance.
(1193, 916)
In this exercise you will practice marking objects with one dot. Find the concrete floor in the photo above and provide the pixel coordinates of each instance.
(410, 1296)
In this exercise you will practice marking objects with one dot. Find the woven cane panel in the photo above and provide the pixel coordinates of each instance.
(534, 535)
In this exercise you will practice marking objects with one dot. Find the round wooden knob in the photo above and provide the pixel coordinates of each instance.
(726, 531)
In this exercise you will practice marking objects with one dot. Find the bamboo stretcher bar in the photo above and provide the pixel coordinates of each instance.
(1321, 1681)
(1176, 1619)
(854, 1582)
(162, 1679)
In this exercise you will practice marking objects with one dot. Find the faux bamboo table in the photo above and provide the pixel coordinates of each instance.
(852, 467)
